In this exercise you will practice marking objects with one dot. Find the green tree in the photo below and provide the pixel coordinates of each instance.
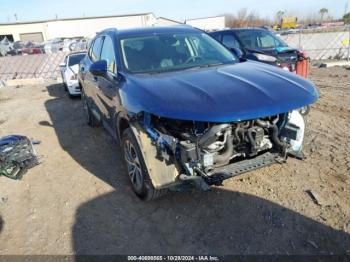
(346, 18)
(322, 12)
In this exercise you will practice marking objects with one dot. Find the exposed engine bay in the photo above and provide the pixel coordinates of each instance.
(212, 152)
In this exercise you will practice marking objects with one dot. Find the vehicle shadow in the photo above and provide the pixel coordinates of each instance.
(218, 222)
(92, 148)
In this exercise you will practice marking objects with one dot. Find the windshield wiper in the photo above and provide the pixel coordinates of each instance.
(181, 69)
(211, 65)
(203, 66)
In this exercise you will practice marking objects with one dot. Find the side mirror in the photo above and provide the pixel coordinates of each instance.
(238, 52)
(99, 68)
(62, 64)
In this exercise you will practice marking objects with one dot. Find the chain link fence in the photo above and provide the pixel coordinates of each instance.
(44, 66)
(318, 45)
(321, 45)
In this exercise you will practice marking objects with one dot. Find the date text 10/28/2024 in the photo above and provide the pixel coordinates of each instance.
(173, 258)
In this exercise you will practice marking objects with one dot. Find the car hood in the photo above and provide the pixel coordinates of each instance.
(227, 93)
(282, 53)
(274, 51)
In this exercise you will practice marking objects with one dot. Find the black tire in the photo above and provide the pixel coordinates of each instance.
(139, 178)
(89, 116)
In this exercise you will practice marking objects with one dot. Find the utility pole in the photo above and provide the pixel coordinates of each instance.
(346, 8)
(16, 17)
(345, 12)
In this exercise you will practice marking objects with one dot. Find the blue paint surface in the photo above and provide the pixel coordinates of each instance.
(226, 93)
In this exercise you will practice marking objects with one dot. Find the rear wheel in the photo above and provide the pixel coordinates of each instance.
(89, 116)
(136, 168)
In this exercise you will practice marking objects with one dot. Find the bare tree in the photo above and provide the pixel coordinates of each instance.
(245, 18)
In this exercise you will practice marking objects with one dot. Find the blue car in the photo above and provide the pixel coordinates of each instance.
(261, 45)
(188, 112)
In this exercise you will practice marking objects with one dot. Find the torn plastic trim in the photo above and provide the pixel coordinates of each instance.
(165, 142)
(163, 172)
(167, 148)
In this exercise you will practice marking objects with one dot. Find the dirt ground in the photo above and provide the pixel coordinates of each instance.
(78, 200)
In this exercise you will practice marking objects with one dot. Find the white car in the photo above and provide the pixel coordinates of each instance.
(69, 72)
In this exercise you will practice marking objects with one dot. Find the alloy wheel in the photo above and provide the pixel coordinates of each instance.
(133, 165)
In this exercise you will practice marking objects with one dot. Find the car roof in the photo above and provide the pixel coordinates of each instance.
(243, 29)
(151, 30)
(76, 53)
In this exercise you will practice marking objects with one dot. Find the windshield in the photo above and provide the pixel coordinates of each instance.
(75, 59)
(169, 52)
(259, 39)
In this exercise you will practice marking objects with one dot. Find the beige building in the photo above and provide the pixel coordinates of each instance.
(39, 31)
(207, 23)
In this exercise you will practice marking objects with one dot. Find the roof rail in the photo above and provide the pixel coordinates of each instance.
(107, 29)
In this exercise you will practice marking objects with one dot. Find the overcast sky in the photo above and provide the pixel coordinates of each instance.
(28, 10)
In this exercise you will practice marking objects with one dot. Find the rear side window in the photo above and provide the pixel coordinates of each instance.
(96, 49)
(230, 41)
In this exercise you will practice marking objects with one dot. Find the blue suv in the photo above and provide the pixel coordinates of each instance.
(186, 110)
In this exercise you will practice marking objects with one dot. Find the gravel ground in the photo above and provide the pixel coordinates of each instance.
(78, 200)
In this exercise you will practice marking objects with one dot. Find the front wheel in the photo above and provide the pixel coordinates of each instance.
(136, 168)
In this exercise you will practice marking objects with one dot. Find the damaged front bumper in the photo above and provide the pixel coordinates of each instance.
(205, 154)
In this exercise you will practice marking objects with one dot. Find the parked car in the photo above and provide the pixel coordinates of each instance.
(69, 72)
(186, 110)
(260, 45)
(16, 48)
(5, 46)
(26, 48)
(31, 48)
(53, 46)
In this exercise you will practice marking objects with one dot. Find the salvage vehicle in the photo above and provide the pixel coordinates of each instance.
(69, 72)
(188, 112)
(261, 45)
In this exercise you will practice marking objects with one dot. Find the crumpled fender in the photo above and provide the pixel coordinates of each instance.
(162, 173)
